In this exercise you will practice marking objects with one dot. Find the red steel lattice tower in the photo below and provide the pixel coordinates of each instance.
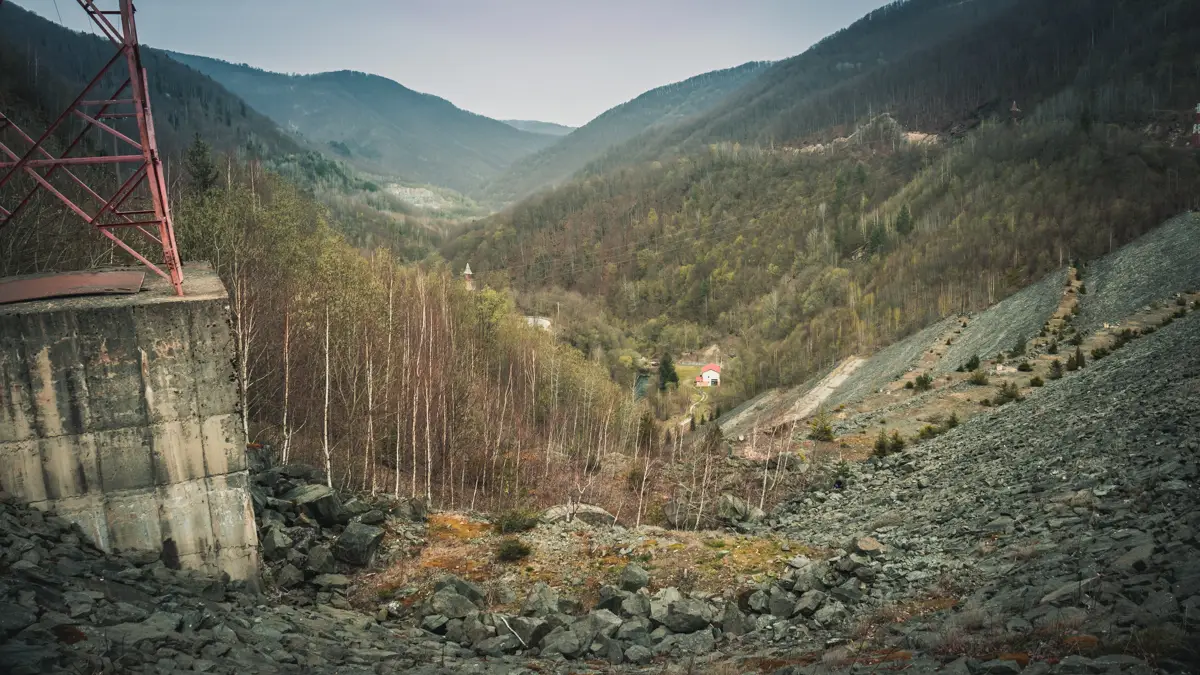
(138, 207)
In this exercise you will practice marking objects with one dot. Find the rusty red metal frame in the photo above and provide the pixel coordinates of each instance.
(107, 214)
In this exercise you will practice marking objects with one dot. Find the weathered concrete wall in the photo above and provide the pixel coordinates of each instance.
(120, 412)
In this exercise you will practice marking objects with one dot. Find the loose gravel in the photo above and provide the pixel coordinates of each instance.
(888, 365)
(1163, 262)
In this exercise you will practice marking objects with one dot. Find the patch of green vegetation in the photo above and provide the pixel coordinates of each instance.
(515, 520)
(512, 549)
(978, 378)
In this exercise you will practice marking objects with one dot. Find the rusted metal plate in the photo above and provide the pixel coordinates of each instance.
(41, 286)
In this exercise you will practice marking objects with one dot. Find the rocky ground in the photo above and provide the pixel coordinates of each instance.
(888, 364)
(1161, 262)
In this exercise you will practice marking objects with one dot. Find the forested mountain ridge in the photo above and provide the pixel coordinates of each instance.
(534, 126)
(794, 257)
(46, 65)
(379, 125)
(943, 66)
(661, 106)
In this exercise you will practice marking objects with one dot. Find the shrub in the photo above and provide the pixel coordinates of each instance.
(881, 444)
(1036, 381)
(908, 385)
(1075, 309)
(1180, 313)
(1083, 289)
(1025, 367)
(1195, 305)
(1076, 339)
(1181, 301)
(1056, 370)
(987, 403)
(1148, 330)
(1072, 364)
(516, 520)
(512, 549)
(821, 427)
(1018, 348)
(1053, 348)
(1008, 392)
(895, 443)
(924, 382)
(951, 421)
(972, 363)
(978, 378)
(1099, 353)
(928, 431)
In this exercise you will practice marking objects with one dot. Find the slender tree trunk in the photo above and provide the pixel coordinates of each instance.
(325, 427)
(287, 370)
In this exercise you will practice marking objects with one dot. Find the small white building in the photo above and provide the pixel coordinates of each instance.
(710, 376)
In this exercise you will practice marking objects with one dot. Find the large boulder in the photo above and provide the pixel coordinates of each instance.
(275, 544)
(587, 513)
(660, 603)
(733, 509)
(320, 560)
(688, 615)
(565, 642)
(541, 601)
(634, 578)
(357, 544)
(414, 509)
(531, 630)
(600, 622)
(320, 502)
(450, 604)
(468, 590)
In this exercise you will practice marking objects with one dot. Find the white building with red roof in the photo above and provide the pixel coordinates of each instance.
(710, 376)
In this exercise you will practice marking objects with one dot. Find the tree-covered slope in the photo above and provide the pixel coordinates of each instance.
(942, 66)
(662, 106)
(380, 125)
(46, 65)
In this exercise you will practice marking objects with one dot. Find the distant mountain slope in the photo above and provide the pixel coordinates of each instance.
(535, 127)
(379, 125)
(944, 65)
(664, 105)
(43, 66)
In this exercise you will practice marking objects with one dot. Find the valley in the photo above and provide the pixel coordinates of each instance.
(881, 356)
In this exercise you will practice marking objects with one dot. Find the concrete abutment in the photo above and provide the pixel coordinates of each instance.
(120, 412)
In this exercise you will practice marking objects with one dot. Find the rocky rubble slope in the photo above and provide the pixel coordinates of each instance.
(1063, 523)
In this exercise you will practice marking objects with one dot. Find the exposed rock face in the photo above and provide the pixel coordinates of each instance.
(592, 515)
(357, 544)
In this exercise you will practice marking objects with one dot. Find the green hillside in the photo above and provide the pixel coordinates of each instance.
(379, 125)
(794, 257)
(662, 106)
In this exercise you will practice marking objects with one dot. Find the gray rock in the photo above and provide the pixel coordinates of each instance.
(541, 601)
(320, 503)
(531, 630)
(14, 618)
(688, 615)
(810, 602)
(469, 590)
(332, 581)
(450, 604)
(499, 645)
(634, 578)
(1136, 559)
(289, 576)
(320, 561)
(830, 613)
(635, 631)
(600, 622)
(565, 642)
(585, 513)
(414, 510)
(275, 544)
(436, 623)
(780, 603)
(999, 667)
(697, 643)
(638, 654)
(357, 544)
(732, 509)
(372, 517)
(660, 603)
(635, 604)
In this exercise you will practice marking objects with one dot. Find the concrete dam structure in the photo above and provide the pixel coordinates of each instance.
(120, 412)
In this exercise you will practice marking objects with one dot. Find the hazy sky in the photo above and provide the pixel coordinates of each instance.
(562, 61)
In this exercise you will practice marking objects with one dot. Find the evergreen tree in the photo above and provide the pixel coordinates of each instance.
(904, 221)
(200, 166)
(666, 372)
(1079, 360)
